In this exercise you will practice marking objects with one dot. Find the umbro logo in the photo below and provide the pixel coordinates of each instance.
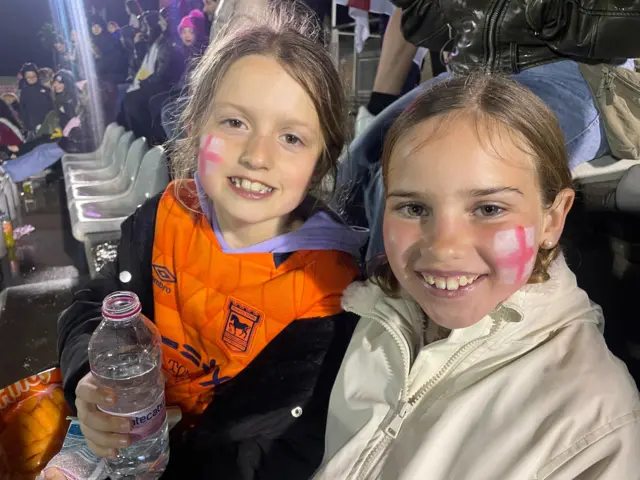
(161, 276)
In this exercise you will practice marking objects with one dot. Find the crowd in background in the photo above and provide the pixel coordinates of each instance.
(140, 71)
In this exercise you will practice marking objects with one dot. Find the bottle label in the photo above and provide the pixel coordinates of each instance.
(147, 422)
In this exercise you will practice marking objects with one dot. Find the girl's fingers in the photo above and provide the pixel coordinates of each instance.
(91, 417)
(103, 452)
(105, 440)
(89, 391)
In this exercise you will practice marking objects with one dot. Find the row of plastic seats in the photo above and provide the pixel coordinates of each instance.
(104, 187)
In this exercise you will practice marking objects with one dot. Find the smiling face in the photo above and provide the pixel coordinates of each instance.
(259, 150)
(31, 77)
(464, 219)
(58, 87)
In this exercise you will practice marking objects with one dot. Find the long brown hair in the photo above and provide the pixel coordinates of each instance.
(496, 103)
(289, 34)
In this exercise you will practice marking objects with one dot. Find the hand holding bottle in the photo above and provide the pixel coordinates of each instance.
(104, 433)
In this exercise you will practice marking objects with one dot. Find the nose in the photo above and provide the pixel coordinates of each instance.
(258, 153)
(447, 238)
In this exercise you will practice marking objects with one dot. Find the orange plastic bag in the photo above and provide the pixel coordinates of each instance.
(33, 424)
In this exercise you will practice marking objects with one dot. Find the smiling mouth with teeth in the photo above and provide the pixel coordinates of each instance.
(450, 283)
(250, 186)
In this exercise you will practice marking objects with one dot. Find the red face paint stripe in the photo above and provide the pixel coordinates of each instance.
(520, 257)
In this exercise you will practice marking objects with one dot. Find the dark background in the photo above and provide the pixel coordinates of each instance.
(20, 21)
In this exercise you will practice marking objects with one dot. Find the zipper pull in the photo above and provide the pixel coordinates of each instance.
(609, 86)
(393, 427)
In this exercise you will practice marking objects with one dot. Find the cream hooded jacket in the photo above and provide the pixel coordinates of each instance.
(529, 392)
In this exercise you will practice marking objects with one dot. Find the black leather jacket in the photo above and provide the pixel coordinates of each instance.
(513, 35)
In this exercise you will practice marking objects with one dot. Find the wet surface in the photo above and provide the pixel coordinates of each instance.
(28, 326)
(37, 279)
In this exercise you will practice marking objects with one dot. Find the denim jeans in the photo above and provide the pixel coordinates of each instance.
(560, 85)
(34, 162)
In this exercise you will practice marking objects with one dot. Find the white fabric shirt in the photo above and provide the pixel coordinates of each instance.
(529, 392)
(148, 65)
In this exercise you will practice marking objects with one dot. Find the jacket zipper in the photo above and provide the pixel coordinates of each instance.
(611, 75)
(605, 89)
(492, 35)
(408, 405)
(402, 345)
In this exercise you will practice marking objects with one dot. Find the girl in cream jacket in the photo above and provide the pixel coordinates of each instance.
(477, 356)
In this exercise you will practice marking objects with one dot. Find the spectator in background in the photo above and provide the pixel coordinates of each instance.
(36, 100)
(114, 29)
(161, 69)
(74, 58)
(164, 106)
(193, 33)
(28, 75)
(45, 74)
(111, 65)
(141, 43)
(209, 9)
(127, 36)
(134, 11)
(62, 57)
(9, 126)
(399, 70)
(66, 105)
(66, 96)
(13, 101)
(111, 60)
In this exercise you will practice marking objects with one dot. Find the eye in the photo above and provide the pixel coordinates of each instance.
(412, 210)
(233, 123)
(291, 139)
(489, 211)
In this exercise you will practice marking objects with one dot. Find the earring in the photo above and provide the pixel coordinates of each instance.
(547, 244)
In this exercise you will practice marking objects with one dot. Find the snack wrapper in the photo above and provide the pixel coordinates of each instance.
(33, 423)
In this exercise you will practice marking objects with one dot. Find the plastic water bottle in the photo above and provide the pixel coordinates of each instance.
(125, 356)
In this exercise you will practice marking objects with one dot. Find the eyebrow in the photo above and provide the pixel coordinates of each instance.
(288, 120)
(475, 192)
(485, 192)
(404, 194)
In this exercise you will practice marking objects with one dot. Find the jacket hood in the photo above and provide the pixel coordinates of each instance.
(533, 312)
(98, 20)
(323, 230)
(66, 77)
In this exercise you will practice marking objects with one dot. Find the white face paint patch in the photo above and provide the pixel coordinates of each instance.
(515, 253)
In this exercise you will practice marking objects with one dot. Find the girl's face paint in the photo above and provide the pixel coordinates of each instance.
(209, 158)
(515, 254)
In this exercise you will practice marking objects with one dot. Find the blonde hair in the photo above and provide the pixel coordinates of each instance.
(290, 35)
(495, 102)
